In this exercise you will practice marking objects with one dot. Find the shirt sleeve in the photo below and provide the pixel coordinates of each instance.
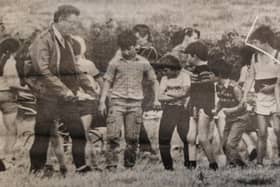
(111, 70)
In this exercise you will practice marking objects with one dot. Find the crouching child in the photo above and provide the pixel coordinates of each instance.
(237, 118)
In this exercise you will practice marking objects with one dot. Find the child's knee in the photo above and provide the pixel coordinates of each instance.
(191, 139)
(203, 138)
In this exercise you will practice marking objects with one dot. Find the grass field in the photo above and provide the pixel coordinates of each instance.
(212, 17)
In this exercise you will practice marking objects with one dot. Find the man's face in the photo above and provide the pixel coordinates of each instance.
(129, 53)
(69, 25)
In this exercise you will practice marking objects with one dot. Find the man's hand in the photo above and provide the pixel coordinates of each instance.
(102, 109)
(156, 105)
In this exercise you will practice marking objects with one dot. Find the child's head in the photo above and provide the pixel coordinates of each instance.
(127, 43)
(142, 33)
(246, 54)
(196, 51)
(221, 69)
(262, 36)
(170, 66)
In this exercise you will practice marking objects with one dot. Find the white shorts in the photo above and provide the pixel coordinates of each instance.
(265, 104)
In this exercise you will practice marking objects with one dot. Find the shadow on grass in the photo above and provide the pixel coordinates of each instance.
(256, 180)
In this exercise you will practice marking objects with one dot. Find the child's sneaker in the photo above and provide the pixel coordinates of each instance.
(213, 166)
(253, 155)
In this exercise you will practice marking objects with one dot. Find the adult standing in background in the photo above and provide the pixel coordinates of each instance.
(56, 81)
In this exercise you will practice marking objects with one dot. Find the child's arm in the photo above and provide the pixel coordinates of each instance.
(109, 77)
(249, 82)
(162, 91)
(181, 94)
(104, 92)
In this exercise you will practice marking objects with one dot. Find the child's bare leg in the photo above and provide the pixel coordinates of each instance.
(86, 120)
(262, 138)
(11, 136)
(191, 137)
(276, 128)
(203, 126)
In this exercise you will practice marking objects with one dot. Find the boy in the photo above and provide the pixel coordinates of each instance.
(263, 71)
(174, 88)
(144, 47)
(202, 102)
(125, 75)
(230, 95)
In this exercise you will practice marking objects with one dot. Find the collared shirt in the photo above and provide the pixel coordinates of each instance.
(126, 76)
(58, 36)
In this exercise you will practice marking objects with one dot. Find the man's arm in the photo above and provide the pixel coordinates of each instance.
(40, 56)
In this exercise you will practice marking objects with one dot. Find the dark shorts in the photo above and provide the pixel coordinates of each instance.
(88, 107)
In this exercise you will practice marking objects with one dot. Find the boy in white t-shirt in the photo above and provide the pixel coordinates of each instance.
(174, 88)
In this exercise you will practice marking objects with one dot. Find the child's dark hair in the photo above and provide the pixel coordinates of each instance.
(64, 11)
(126, 39)
(178, 37)
(246, 54)
(264, 34)
(169, 61)
(221, 69)
(143, 30)
(198, 49)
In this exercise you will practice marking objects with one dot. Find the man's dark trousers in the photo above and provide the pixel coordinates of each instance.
(48, 111)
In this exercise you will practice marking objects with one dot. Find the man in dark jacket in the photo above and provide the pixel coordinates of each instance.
(56, 80)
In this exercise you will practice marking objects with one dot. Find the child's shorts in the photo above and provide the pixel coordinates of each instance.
(265, 104)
